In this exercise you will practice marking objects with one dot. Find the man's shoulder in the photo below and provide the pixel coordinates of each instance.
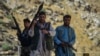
(71, 28)
(59, 27)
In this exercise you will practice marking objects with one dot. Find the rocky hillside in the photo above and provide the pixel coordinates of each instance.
(85, 20)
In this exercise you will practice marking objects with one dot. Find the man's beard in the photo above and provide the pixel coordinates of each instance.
(42, 21)
(66, 24)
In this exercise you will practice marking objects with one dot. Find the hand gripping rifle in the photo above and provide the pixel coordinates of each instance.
(35, 18)
(36, 15)
(67, 44)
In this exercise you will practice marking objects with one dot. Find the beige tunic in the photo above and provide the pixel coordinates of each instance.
(40, 51)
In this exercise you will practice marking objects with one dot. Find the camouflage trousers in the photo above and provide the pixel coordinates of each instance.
(25, 51)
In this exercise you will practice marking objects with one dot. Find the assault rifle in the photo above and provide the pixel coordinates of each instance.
(35, 18)
(68, 45)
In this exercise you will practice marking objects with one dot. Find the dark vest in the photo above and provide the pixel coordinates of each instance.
(25, 40)
(37, 35)
(35, 38)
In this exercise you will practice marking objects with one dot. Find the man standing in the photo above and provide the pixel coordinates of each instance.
(43, 32)
(64, 38)
(26, 40)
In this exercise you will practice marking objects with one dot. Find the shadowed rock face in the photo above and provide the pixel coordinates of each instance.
(85, 20)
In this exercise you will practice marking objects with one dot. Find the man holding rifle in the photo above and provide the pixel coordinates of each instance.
(26, 41)
(65, 38)
(43, 32)
(26, 37)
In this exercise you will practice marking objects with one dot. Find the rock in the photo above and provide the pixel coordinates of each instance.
(89, 20)
(54, 23)
(88, 25)
(4, 7)
(58, 20)
(56, 13)
(1, 38)
(89, 34)
(1, 43)
(87, 8)
(1, 17)
(77, 4)
(9, 40)
(11, 24)
(94, 34)
(21, 6)
(12, 4)
(80, 3)
(9, 53)
(95, 10)
(96, 22)
(6, 25)
(71, 0)
(71, 4)
(3, 30)
(49, 11)
(60, 5)
(84, 15)
(54, 0)
(96, 42)
(54, 19)
(11, 37)
(1, 22)
(48, 2)
(74, 11)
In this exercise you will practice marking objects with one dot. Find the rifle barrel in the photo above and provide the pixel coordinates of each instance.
(35, 17)
(16, 23)
(71, 47)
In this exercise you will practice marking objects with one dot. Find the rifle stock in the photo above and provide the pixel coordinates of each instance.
(70, 46)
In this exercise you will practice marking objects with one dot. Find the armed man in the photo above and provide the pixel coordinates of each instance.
(43, 32)
(26, 37)
(26, 41)
(65, 38)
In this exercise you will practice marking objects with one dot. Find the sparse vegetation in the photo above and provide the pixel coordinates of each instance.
(1, 22)
(6, 47)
